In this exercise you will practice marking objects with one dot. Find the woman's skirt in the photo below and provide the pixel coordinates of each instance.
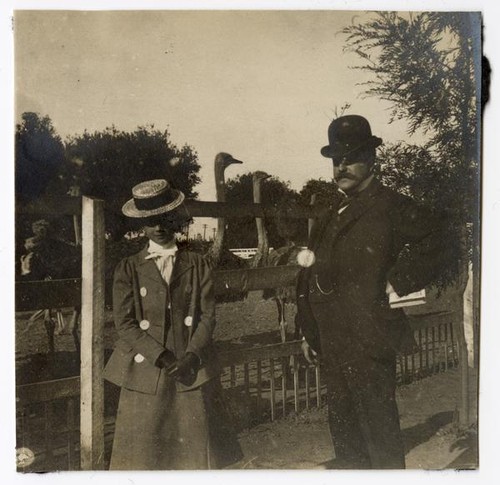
(174, 430)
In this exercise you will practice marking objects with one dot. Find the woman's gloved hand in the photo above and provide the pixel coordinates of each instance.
(186, 368)
(165, 360)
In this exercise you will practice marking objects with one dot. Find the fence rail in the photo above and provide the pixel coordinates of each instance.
(33, 295)
(70, 205)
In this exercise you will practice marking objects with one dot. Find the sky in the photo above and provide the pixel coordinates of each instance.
(242, 90)
(260, 85)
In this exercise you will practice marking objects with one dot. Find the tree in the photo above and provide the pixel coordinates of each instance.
(107, 164)
(39, 160)
(426, 66)
(242, 231)
(326, 192)
(112, 161)
(39, 155)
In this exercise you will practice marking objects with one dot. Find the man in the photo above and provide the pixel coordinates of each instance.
(47, 257)
(374, 243)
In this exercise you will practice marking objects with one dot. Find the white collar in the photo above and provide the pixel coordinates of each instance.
(159, 250)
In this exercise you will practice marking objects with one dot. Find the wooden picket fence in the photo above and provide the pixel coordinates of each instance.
(63, 421)
(48, 414)
(261, 384)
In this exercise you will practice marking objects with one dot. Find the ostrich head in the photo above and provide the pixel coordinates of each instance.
(222, 161)
(260, 175)
(257, 178)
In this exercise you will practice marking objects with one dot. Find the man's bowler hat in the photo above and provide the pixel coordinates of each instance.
(348, 135)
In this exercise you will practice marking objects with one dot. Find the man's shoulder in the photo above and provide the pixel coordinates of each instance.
(394, 198)
(403, 208)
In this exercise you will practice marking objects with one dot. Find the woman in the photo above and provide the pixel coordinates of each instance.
(170, 414)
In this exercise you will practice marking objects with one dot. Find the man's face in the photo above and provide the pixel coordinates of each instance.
(350, 174)
(40, 229)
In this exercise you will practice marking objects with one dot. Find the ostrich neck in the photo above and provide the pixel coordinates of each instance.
(220, 191)
(261, 228)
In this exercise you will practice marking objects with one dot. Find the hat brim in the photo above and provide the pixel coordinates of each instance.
(131, 210)
(341, 150)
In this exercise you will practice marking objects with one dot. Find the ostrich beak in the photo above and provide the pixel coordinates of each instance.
(233, 160)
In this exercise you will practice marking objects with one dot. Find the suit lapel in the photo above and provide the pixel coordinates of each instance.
(356, 208)
(319, 228)
(147, 268)
(182, 264)
(337, 223)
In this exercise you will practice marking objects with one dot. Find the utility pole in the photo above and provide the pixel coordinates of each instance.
(214, 230)
(204, 231)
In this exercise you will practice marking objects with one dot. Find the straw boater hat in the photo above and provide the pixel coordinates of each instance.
(152, 198)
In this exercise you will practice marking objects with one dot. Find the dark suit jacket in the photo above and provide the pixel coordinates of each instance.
(381, 236)
(150, 316)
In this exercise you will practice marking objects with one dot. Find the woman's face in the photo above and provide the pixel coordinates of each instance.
(159, 232)
(162, 229)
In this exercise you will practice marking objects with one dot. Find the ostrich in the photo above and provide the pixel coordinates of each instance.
(261, 256)
(218, 254)
(288, 229)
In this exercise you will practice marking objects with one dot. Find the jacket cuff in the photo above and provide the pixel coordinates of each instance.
(402, 284)
(154, 355)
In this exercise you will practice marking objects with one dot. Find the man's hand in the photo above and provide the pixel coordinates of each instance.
(310, 354)
(26, 263)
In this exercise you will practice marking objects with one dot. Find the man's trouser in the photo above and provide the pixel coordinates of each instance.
(362, 410)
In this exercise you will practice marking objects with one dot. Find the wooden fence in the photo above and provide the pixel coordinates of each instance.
(263, 373)
(260, 384)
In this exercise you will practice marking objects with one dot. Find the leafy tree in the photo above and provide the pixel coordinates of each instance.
(426, 66)
(112, 161)
(242, 232)
(39, 155)
(325, 192)
(423, 64)
(39, 161)
(107, 164)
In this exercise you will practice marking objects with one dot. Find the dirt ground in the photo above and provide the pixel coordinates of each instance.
(427, 408)
(299, 441)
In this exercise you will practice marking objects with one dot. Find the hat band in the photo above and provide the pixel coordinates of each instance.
(154, 202)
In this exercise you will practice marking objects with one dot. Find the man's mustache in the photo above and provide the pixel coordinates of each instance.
(345, 176)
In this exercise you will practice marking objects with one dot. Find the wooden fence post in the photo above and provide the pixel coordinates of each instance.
(310, 221)
(463, 356)
(92, 345)
(464, 407)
